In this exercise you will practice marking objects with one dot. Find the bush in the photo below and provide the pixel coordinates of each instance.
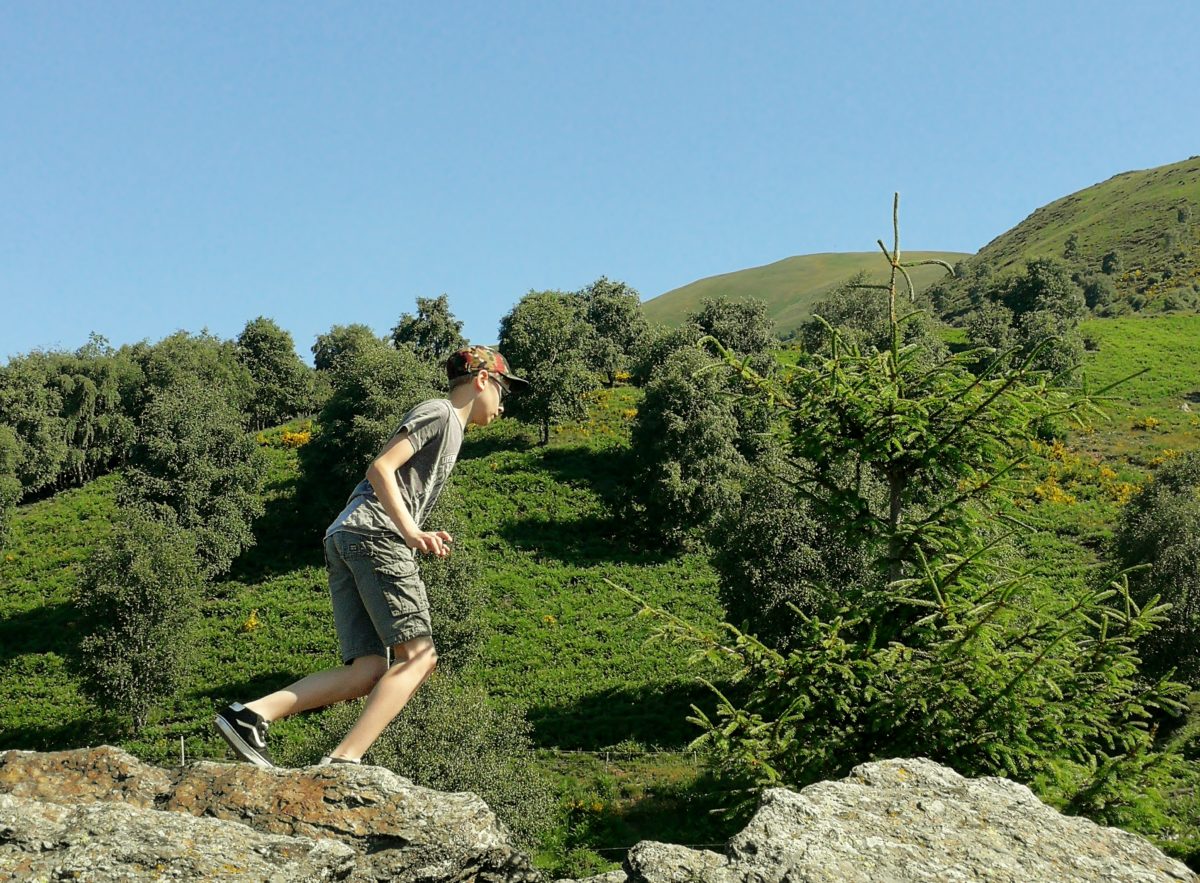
(138, 600)
(687, 467)
(433, 333)
(457, 595)
(1160, 527)
(452, 738)
(194, 463)
(282, 384)
(373, 388)
(862, 318)
(548, 342)
(772, 552)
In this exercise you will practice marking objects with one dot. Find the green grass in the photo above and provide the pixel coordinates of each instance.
(1167, 348)
(789, 287)
(561, 642)
(1130, 212)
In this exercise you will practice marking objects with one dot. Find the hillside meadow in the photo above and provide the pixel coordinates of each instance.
(607, 705)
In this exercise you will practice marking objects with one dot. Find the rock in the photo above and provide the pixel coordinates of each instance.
(344, 822)
(115, 841)
(102, 815)
(911, 820)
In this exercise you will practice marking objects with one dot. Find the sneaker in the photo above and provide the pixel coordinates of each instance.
(329, 759)
(246, 733)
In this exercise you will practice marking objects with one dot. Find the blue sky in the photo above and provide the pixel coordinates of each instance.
(195, 165)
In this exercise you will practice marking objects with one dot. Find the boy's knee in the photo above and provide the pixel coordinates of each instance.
(371, 669)
(420, 651)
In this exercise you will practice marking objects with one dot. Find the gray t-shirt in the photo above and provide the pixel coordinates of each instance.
(436, 433)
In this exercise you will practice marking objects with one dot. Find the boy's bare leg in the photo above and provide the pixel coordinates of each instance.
(322, 688)
(415, 660)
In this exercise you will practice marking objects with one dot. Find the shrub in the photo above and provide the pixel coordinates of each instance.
(138, 600)
(433, 333)
(1160, 527)
(1111, 263)
(457, 595)
(282, 384)
(548, 342)
(373, 388)
(687, 467)
(452, 738)
(773, 554)
(195, 463)
(944, 651)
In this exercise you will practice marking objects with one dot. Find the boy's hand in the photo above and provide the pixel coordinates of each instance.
(433, 542)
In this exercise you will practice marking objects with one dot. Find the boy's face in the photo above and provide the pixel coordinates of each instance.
(489, 402)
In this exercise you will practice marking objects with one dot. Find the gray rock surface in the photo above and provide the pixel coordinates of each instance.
(101, 815)
(387, 826)
(114, 841)
(911, 820)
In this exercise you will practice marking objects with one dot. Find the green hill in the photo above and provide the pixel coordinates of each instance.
(561, 642)
(789, 287)
(1135, 212)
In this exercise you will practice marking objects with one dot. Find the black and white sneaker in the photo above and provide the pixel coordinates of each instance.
(246, 733)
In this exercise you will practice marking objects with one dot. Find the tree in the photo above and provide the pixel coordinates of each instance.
(1098, 291)
(741, 326)
(373, 387)
(31, 406)
(687, 466)
(341, 340)
(1046, 285)
(282, 384)
(940, 650)
(195, 465)
(1160, 527)
(1111, 263)
(776, 556)
(138, 600)
(861, 317)
(10, 485)
(614, 310)
(433, 333)
(545, 339)
(1071, 248)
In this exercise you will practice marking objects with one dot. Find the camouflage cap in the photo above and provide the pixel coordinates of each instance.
(474, 359)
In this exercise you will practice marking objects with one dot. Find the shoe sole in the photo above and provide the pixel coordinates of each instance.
(239, 745)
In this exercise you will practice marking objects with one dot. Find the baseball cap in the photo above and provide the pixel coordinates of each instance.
(473, 359)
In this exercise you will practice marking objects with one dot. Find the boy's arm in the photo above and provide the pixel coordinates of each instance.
(382, 475)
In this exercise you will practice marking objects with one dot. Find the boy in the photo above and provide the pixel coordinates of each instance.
(379, 601)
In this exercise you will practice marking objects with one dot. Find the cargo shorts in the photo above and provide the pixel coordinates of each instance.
(378, 597)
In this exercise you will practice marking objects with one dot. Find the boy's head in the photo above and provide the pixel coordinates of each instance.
(484, 376)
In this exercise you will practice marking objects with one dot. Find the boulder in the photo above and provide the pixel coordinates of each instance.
(911, 820)
(342, 822)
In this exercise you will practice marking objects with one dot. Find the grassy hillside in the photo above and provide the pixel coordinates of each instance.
(1151, 217)
(789, 287)
(562, 642)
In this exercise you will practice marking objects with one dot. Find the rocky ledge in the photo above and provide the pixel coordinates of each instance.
(100, 814)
